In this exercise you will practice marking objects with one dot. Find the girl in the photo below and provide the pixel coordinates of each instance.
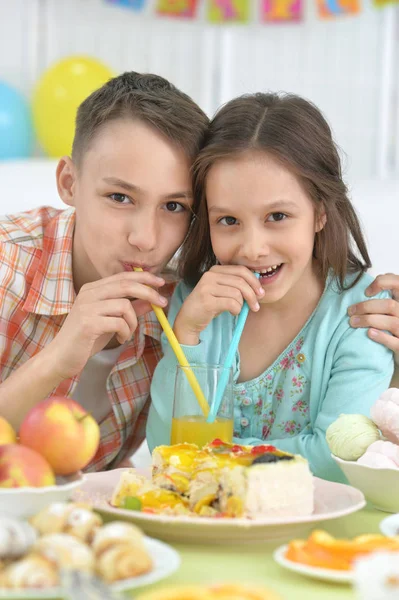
(269, 198)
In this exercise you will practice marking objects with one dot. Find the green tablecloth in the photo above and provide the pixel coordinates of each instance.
(255, 564)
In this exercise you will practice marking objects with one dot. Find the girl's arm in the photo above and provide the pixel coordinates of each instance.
(361, 371)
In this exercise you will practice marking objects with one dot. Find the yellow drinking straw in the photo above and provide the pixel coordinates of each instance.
(181, 357)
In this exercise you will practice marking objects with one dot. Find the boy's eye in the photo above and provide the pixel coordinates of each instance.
(119, 198)
(228, 221)
(175, 207)
(277, 216)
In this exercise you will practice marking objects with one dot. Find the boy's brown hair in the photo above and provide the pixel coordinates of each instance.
(147, 98)
(294, 132)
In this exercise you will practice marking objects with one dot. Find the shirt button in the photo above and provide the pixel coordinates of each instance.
(301, 357)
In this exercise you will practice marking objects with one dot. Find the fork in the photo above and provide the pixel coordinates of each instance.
(80, 585)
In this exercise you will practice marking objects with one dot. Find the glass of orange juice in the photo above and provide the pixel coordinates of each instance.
(189, 423)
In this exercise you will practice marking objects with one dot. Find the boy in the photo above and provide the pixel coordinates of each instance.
(75, 319)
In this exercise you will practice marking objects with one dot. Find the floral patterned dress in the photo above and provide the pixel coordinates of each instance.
(276, 403)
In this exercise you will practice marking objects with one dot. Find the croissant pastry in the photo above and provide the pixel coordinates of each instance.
(82, 524)
(65, 552)
(74, 518)
(114, 533)
(16, 537)
(123, 561)
(29, 572)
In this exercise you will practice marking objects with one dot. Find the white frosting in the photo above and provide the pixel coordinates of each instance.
(279, 489)
(79, 516)
(58, 509)
(116, 530)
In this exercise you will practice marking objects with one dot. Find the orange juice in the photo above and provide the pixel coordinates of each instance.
(195, 430)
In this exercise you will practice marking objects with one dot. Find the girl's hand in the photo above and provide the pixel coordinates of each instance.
(222, 288)
(380, 316)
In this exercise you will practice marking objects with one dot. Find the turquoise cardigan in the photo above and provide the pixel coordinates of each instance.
(328, 369)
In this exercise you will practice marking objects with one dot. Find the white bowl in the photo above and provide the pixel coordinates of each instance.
(390, 526)
(380, 486)
(24, 502)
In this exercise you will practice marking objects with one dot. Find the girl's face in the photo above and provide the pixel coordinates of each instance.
(260, 217)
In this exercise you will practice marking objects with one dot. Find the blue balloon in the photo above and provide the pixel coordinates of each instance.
(16, 130)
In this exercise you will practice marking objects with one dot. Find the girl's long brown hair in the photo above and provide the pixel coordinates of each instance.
(293, 131)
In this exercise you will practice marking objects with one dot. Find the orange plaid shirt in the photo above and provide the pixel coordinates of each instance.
(36, 295)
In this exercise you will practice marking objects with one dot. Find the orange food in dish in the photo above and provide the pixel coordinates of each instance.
(323, 550)
(230, 591)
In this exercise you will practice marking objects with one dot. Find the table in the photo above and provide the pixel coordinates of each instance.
(255, 564)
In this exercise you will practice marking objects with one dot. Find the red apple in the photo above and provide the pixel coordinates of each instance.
(63, 432)
(7, 433)
(21, 467)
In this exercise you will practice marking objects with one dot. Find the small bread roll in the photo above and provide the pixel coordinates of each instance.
(65, 552)
(115, 533)
(30, 572)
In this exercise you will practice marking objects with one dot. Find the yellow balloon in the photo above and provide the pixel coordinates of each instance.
(57, 96)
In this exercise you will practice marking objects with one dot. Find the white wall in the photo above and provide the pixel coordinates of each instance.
(348, 66)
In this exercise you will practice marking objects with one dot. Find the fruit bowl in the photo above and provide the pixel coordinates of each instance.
(380, 486)
(24, 502)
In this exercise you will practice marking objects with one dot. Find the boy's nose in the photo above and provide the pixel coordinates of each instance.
(144, 236)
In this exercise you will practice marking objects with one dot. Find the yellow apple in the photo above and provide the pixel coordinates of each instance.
(7, 433)
(63, 432)
(21, 467)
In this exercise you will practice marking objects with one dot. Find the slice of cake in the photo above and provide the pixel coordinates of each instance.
(271, 486)
(136, 492)
(221, 480)
(251, 481)
(172, 466)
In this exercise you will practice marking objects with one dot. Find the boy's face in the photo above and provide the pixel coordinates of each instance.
(132, 195)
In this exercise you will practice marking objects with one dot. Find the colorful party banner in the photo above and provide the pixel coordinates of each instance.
(328, 9)
(223, 11)
(177, 8)
(281, 11)
(133, 4)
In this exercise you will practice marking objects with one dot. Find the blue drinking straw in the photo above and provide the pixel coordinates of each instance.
(224, 377)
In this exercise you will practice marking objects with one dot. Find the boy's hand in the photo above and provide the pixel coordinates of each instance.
(103, 309)
(380, 316)
(222, 288)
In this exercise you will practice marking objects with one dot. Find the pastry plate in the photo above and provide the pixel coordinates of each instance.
(166, 561)
(332, 500)
(309, 571)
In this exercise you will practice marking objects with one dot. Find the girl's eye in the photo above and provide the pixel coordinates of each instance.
(119, 198)
(277, 216)
(228, 221)
(175, 207)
